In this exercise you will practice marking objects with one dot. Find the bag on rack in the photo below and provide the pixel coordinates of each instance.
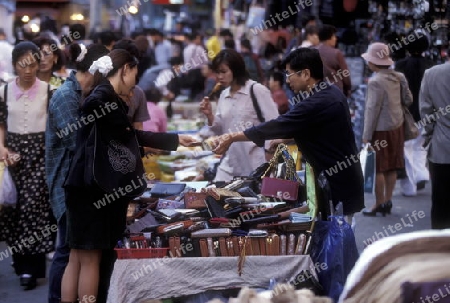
(288, 186)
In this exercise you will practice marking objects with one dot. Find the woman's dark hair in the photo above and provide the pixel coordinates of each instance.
(40, 41)
(107, 38)
(23, 48)
(305, 58)
(419, 45)
(326, 32)
(119, 58)
(246, 43)
(129, 46)
(230, 44)
(80, 31)
(278, 77)
(235, 63)
(153, 95)
(94, 51)
(310, 30)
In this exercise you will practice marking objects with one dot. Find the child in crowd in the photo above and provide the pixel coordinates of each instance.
(158, 118)
(278, 94)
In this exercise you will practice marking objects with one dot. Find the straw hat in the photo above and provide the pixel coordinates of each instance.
(378, 54)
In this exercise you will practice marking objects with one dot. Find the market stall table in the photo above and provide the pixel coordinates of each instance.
(135, 280)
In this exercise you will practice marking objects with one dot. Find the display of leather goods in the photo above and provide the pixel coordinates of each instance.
(212, 232)
(161, 190)
(115, 164)
(220, 193)
(195, 200)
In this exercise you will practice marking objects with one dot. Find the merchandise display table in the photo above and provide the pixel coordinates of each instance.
(136, 280)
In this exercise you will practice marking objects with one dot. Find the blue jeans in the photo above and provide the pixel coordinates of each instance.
(60, 260)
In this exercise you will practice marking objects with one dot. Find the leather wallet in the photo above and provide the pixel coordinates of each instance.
(223, 247)
(255, 246)
(174, 227)
(212, 233)
(211, 247)
(301, 243)
(283, 245)
(203, 248)
(220, 193)
(161, 190)
(236, 249)
(230, 248)
(291, 244)
(195, 200)
(215, 208)
(286, 190)
(262, 246)
(273, 245)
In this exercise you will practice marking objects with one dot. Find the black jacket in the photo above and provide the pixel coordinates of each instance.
(321, 128)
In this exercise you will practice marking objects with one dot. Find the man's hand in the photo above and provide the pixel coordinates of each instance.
(274, 144)
(186, 140)
(222, 144)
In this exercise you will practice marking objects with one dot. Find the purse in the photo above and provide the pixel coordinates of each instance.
(195, 200)
(212, 233)
(116, 165)
(286, 189)
(161, 190)
(410, 129)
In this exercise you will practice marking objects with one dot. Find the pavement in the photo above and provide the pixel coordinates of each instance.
(408, 214)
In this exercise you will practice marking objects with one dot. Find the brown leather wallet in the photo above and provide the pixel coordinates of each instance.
(236, 247)
(283, 245)
(223, 247)
(301, 243)
(172, 246)
(203, 248)
(172, 227)
(195, 200)
(273, 245)
(255, 246)
(230, 248)
(220, 193)
(262, 246)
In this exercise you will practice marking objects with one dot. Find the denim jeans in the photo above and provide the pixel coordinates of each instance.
(59, 263)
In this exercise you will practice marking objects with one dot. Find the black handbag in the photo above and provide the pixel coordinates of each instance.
(117, 167)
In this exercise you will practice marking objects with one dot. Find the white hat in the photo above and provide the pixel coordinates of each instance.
(378, 54)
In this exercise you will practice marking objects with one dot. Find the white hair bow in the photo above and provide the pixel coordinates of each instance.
(82, 54)
(104, 65)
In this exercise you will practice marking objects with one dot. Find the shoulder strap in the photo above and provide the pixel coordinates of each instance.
(5, 93)
(256, 105)
(49, 96)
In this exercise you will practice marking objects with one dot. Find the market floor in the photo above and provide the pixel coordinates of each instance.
(368, 229)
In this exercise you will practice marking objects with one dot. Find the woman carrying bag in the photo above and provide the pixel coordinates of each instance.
(387, 93)
(106, 172)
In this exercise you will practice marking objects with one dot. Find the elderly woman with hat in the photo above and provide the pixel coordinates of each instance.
(387, 92)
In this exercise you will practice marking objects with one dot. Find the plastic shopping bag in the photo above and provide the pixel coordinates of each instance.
(368, 164)
(334, 248)
(8, 193)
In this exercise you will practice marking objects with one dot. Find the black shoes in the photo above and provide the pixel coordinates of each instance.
(384, 209)
(28, 282)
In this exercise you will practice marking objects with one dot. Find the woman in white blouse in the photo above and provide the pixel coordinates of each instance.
(29, 228)
(236, 111)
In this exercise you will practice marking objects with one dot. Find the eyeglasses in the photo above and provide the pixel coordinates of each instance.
(289, 75)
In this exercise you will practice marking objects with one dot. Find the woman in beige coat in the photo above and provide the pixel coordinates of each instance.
(387, 92)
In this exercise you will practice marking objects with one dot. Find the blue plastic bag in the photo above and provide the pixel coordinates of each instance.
(334, 249)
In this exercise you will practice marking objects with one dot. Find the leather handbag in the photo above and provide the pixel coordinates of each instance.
(220, 193)
(410, 129)
(114, 164)
(286, 188)
(176, 227)
(161, 190)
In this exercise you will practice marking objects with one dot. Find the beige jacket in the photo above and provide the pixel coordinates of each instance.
(383, 110)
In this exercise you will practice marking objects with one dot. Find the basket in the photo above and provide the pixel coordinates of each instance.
(141, 253)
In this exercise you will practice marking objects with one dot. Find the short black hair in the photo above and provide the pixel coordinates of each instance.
(94, 51)
(305, 58)
(78, 28)
(42, 40)
(128, 45)
(230, 44)
(278, 77)
(326, 32)
(311, 30)
(235, 63)
(153, 95)
(419, 45)
(226, 33)
(107, 38)
(246, 43)
(23, 48)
